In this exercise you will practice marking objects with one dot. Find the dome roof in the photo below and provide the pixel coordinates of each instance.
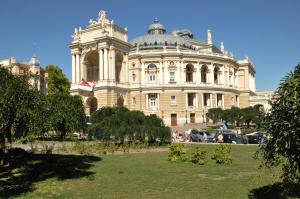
(155, 39)
(156, 28)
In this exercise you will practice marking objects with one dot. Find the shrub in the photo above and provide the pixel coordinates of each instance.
(198, 156)
(177, 153)
(222, 154)
(47, 149)
(80, 148)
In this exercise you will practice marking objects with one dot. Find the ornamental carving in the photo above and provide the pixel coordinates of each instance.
(89, 48)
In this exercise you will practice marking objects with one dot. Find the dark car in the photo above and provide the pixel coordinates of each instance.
(255, 138)
(228, 136)
(225, 136)
(201, 136)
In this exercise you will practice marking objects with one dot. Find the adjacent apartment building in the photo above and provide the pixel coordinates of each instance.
(38, 75)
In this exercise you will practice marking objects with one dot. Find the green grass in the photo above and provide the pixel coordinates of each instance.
(150, 175)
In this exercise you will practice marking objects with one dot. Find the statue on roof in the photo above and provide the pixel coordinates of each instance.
(102, 18)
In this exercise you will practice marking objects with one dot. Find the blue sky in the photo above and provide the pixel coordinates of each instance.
(267, 31)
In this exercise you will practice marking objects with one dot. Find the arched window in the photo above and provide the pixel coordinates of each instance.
(203, 74)
(118, 65)
(152, 71)
(92, 66)
(189, 72)
(133, 77)
(216, 75)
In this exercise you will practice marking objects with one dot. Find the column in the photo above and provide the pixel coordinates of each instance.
(161, 73)
(126, 68)
(198, 75)
(177, 73)
(113, 63)
(143, 74)
(166, 73)
(158, 101)
(100, 64)
(78, 68)
(147, 103)
(182, 75)
(186, 100)
(105, 59)
(196, 100)
(211, 74)
(73, 69)
(222, 75)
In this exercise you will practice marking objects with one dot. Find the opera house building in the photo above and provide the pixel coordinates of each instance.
(174, 75)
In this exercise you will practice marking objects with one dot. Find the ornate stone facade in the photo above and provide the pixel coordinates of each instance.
(173, 75)
(39, 76)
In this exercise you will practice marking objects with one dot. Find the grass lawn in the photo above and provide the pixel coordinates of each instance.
(138, 175)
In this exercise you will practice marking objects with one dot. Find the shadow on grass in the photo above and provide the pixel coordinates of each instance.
(26, 169)
(274, 191)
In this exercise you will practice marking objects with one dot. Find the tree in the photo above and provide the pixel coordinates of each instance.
(119, 123)
(66, 113)
(215, 114)
(248, 115)
(57, 81)
(283, 130)
(20, 112)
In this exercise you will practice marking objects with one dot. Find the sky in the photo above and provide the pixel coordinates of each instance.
(267, 31)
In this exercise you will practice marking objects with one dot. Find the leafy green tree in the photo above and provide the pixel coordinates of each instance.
(215, 114)
(259, 115)
(20, 109)
(119, 123)
(57, 81)
(248, 115)
(66, 113)
(283, 130)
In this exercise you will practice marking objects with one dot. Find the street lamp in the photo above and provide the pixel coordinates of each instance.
(185, 116)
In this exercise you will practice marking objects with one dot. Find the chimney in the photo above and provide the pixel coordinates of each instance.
(209, 37)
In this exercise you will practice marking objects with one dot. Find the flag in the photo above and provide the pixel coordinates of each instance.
(87, 86)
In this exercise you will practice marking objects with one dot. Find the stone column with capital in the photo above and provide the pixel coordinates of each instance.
(143, 74)
(126, 67)
(113, 63)
(198, 75)
(73, 69)
(105, 60)
(101, 75)
(78, 68)
(211, 73)
(158, 99)
(182, 74)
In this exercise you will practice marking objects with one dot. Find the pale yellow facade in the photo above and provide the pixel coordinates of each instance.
(174, 76)
(38, 75)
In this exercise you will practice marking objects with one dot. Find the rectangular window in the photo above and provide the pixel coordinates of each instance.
(219, 100)
(152, 99)
(173, 100)
(172, 76)
(191, 99)
(237, 100)
(152, 78)
(206, 99)
(133, 100)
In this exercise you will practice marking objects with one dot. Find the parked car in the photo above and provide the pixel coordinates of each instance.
(255, 138)
(228, 136)
(201, 136)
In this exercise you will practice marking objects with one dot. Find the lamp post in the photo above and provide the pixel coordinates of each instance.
(185, 116)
